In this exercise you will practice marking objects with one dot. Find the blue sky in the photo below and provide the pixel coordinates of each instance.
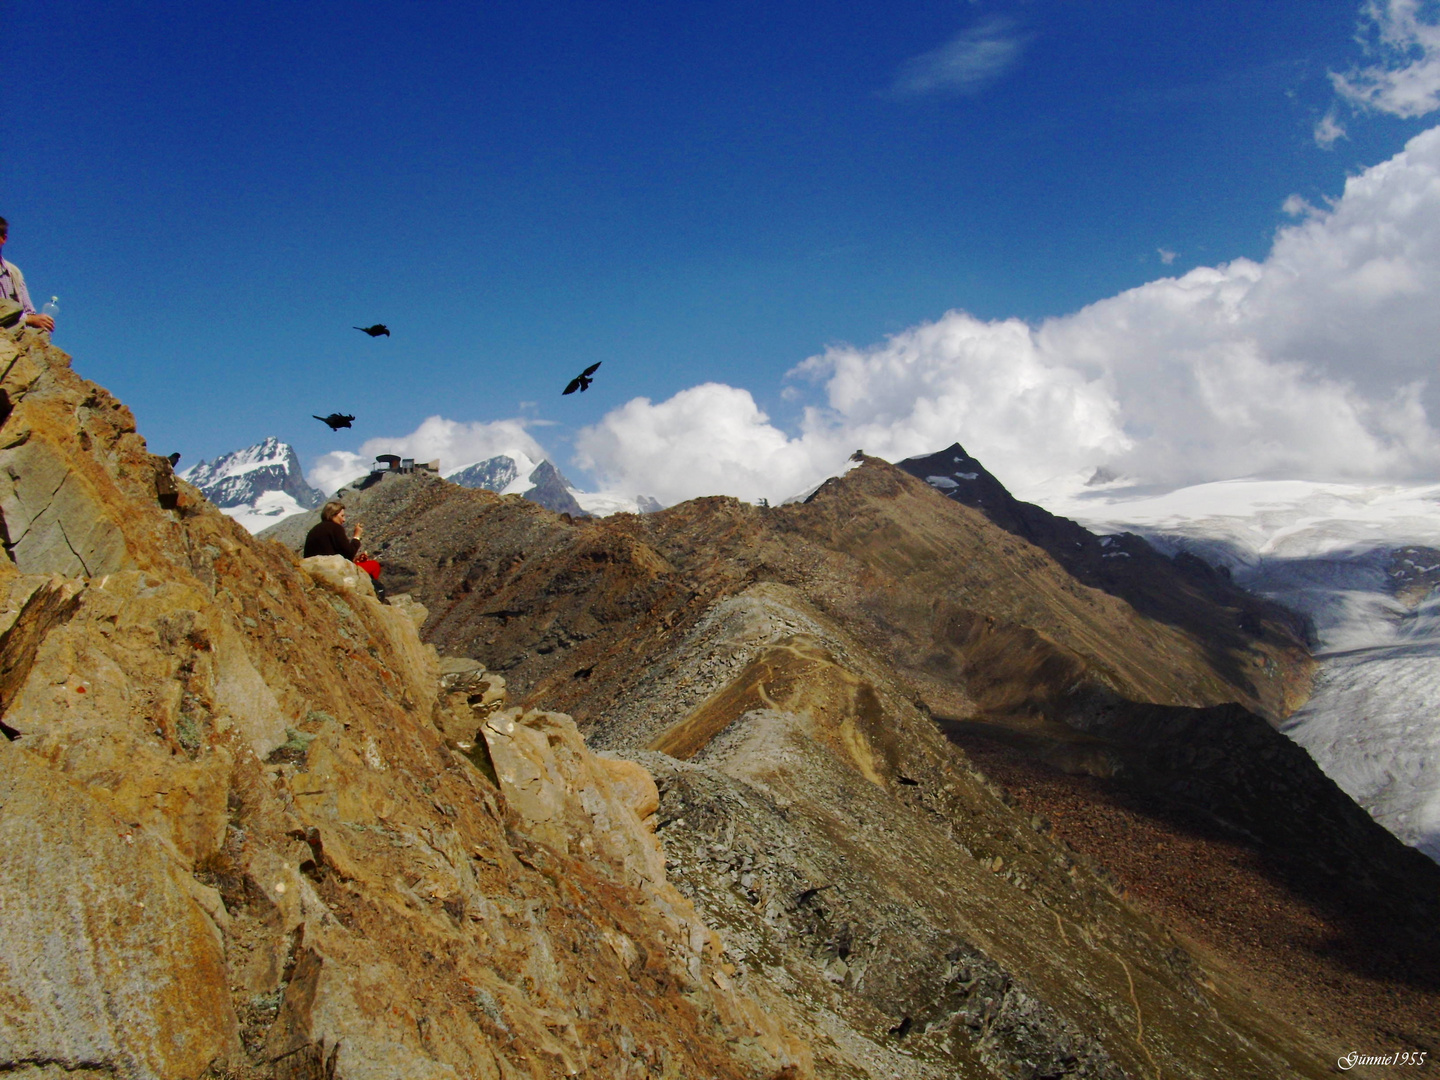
(692, 194)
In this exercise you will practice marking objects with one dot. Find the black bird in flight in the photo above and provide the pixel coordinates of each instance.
(375, 331)
(582, 381)
(335, 420)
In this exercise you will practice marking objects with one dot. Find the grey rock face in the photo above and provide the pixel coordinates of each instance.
(134, 973)
(493, 474)
(552, 491)
(52, 519)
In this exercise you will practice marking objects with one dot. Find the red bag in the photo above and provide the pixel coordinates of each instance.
(371, 567)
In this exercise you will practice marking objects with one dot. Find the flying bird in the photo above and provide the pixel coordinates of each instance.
(335, 420)
(582, 381)
(375, 331)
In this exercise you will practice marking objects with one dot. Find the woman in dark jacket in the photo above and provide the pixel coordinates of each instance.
(328, 537)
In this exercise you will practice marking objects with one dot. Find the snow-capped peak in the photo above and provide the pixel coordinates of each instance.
(507, 472)
(516, 473)
(272, 452)
(238, 480)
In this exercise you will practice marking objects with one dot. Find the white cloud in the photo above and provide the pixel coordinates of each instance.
(1404, 37)
(1311, 364)
(1166, 255)
(709, 439)
(918, 392)
(1297, 206)
(1328, 131)
(334, 470)
(455, 443)
(966, 64)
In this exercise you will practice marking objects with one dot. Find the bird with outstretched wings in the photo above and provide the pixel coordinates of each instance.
(377, 330)
(582, 381)
(335, 420)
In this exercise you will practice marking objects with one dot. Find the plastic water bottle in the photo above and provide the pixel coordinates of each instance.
(52, 308)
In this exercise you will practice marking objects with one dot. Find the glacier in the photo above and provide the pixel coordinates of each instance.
(1362, 562)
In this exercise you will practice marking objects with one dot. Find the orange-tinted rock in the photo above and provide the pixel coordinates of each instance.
(236, 842)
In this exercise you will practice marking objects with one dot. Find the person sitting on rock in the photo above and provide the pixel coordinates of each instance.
(12, 287)
(328, 537)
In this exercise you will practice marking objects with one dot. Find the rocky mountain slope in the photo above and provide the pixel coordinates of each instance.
(1125, 871)
(251, 827)
(1183, 591)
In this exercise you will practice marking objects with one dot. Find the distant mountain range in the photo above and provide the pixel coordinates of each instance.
(263, 484)
(516, 473)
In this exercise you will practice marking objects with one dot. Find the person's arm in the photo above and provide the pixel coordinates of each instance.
(30, 317)
(354, 544)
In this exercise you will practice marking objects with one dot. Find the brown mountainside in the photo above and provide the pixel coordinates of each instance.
(235, 840)
(1163, 883)
(1185, 591)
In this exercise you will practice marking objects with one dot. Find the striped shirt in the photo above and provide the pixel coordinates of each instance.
(12, 287)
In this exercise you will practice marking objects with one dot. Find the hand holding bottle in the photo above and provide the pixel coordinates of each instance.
(45, 318)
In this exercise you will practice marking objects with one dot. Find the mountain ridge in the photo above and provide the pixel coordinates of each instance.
(319, 847)
(1181, 590)
(968, 632)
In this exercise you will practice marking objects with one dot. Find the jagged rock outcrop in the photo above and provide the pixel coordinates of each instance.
(552, 491)
(239, 833)
(796, 679)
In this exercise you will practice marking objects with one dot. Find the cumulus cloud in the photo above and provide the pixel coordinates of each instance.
(965, 64)
(1403, 37)
(709, 439)
(454, 443)
(917, 392)
(1310, 364)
